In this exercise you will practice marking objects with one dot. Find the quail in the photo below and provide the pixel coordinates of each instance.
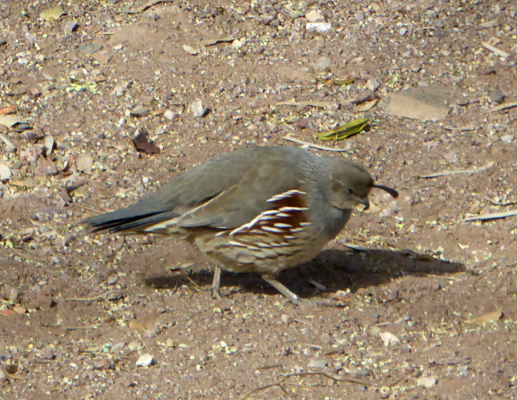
(258, 209)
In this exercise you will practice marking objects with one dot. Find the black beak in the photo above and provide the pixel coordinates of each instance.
(391, 191)
(365, 202)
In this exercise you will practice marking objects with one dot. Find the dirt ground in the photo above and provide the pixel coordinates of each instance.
(396, 318)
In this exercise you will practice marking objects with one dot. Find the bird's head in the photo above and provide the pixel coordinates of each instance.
(350, 185)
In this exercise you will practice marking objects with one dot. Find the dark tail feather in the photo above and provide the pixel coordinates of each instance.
(124, 220)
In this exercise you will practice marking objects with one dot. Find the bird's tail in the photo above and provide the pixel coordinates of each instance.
(128, 220)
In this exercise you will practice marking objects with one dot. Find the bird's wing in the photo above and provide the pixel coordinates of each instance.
(224, 192)
(248, 198)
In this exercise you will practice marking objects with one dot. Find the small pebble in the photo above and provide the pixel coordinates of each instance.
(507, 138)
(320, 27)
(496, 96)
(69, 27)
(362, 372)
(47, 354)
(323, 64)
(198, 109)
(314, 16)
(112, 280)
(117, 347)
(5, 172)
(359, 16)
(139, 111)
(169, 115)
(317, 363)
(427, 381)
(415, 67)
(133, 346)
(145, 360)
(373, 84)
(375, 330)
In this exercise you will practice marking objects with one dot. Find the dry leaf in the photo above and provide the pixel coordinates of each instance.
(19, 309)
(7, 312)
(367, 105)
(485, 318)
(143, 144)
(53, 13)
(137, 326)
(6, 110)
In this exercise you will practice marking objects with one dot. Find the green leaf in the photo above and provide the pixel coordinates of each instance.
(344, 131)
(53, 13)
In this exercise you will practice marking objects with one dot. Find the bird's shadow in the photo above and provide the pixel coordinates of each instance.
(334, 269)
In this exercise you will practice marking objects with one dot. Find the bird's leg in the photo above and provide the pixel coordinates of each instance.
(216, 283)
(281, 288)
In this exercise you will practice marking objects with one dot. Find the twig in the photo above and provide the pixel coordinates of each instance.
(100, 296)
(348, 380)
(270, 366)
(450, 278)
(75, 328)
(314, 346)
(301, 374)
(11, 376)
(175, 289)
(504, 106)
(395, 382)
(488, 217)
(457, 172)
(272, 385)
(315, 146)
(461, 128)
(354, 247)
(495, 50)
(498, 203)
(181, 267)
(195, 284)
(303, 322)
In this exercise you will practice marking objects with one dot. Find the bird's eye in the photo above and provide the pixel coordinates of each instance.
(350, 191)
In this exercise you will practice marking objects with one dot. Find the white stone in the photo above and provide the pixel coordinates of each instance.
(314, 16)
(145, 360)
(320, 27)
